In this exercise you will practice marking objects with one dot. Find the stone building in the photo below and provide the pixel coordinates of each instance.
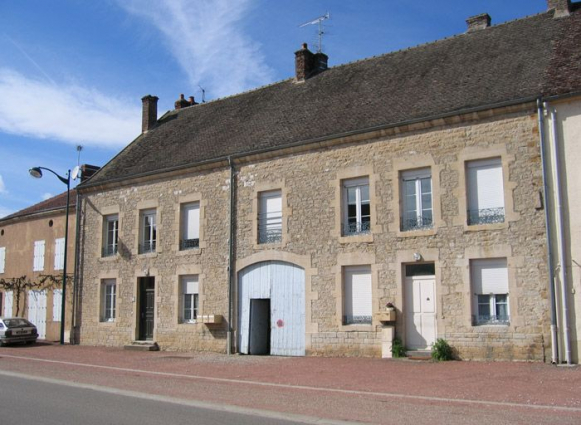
(32, 247)
(284, 220)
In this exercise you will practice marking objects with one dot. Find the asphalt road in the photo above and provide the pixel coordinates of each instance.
(25, 401)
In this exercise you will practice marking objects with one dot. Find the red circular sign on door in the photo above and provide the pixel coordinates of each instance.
(279, 323)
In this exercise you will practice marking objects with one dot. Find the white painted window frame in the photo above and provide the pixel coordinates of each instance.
(108, 300)
(190, 225)
(110, 235)
(492, 288)
(57, 304)
(359, 299)
(149, 230)
(59, 253)
(357, 184)
(270, 218)
(189, 291)
(2, 259)
(38, 261)
(417, 177)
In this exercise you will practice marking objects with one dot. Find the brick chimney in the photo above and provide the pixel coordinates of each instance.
(87, 171)
(149, 115)
(478, 22)
(308, 64)
(561, 7)
(181, 102)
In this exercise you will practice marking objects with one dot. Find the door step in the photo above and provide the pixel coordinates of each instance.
(142, 346)
(419, 354)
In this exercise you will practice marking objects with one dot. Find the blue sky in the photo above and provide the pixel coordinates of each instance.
(72, 72)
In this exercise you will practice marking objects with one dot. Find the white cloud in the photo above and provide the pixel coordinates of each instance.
(47, 195)
(2, 185)
(65, 112)
(208, 41)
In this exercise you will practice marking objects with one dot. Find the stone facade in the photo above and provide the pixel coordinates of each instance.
(310, 182)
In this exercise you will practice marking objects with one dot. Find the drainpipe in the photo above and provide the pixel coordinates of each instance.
(562, 266)
(76, 269)
(230, 258)
(554, 343)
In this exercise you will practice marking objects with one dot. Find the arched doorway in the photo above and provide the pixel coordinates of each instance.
(272, 309)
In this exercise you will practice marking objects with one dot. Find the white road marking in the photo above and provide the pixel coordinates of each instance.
(310, 388)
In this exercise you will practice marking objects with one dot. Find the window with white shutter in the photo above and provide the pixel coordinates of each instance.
(59, 253)
(8, 303)
(38, 264)
(189, 298)
(190, 226)
(57, 304)
(270, 217)
(357, 304)
(2, 259)
(489, 280)
(485, 191)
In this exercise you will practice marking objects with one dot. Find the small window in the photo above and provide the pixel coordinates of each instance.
(356, 207)
(190, 226)
(489, 280)
(189, 298)
(38, 264)
(357, 304)
(110, 235)
(148, 232)
(59, 254)
(417, 200)
(108, 300)
(270, 217)
(485, 191)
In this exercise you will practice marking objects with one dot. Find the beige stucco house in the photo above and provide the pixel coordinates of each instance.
(285, 219)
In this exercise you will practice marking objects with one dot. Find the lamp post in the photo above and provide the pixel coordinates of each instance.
(37, 173)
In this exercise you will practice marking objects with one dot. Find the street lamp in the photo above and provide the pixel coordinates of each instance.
(37, 173)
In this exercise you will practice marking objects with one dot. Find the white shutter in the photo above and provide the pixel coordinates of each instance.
(59, 254)
(191, 221)
(57, 303)
(190, 284)
(489, 276)
(357, 291)
(2, 259)
(485, 186)
(8, 303)
(38, 256)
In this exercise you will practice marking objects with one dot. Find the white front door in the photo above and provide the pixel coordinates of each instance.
(37, 311)
(420, 312)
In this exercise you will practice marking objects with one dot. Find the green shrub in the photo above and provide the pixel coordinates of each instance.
(441, 350)
(397, 348)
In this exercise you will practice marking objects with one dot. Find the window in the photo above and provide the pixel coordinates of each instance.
(38, 264)
(2, 259)
(485, 191)
(110, 235)
(108, 300)
(190, 230)
(490, 286)
(357, 208)
(57, 304)
(270, 217)
(148, 231)
(8, 303)
(357, 295)
(417, 199)
(189, 298)
(59, 254)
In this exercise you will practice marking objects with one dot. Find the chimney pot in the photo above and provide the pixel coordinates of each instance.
(181, 102)
(192, 101)
(478, 22)
(149, 112)
(561, 7)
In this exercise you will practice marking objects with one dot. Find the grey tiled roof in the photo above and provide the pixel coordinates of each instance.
(518, 60)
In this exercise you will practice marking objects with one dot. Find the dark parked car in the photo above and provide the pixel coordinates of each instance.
(17, 329)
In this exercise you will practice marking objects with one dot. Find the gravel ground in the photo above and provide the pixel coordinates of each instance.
(360, 389)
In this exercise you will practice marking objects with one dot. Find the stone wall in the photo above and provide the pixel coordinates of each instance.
(310, 183)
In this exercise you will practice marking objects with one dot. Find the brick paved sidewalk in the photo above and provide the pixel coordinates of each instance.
(518, 385)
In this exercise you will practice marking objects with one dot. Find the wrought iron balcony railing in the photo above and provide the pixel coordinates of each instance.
(270, 235)
(189, 244)
(416, 223)
(109, 251)
(147, 247)
(486, 216)
(357, 320)
(361, 228)
(491, 320)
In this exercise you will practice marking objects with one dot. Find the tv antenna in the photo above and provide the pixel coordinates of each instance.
(203, 93)
(320, 32)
